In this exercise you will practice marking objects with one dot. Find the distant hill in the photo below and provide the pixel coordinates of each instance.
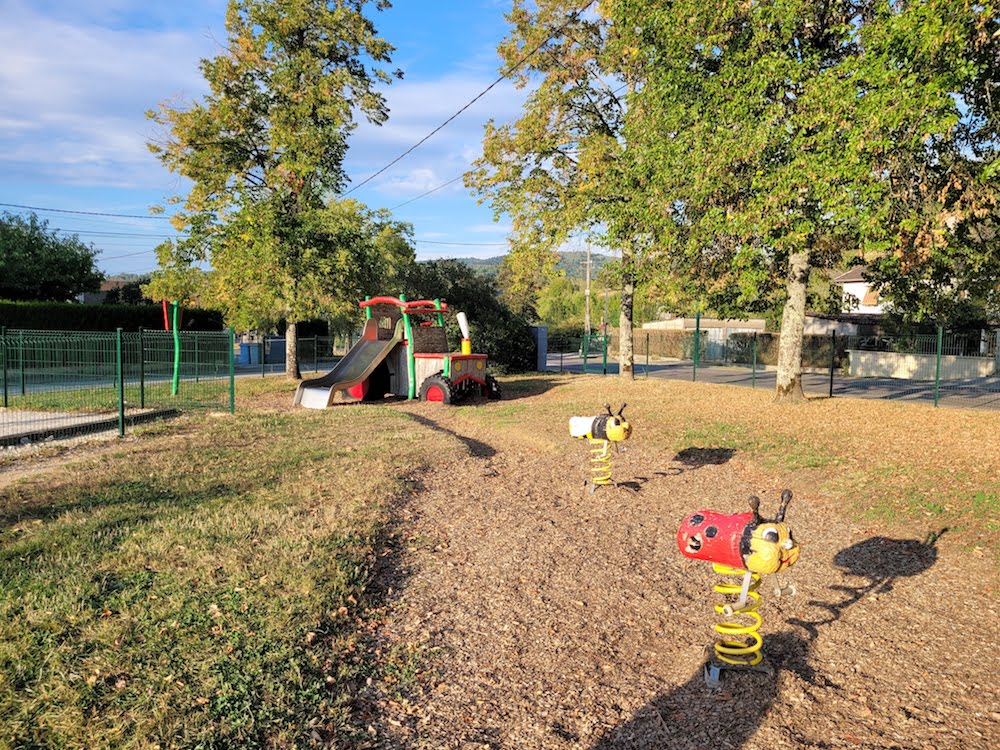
(573, 263)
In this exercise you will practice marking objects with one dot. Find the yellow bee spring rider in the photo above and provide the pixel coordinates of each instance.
(741, 544)
(601, 432)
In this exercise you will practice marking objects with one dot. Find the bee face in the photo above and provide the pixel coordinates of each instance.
(771, 548)
(618, 429)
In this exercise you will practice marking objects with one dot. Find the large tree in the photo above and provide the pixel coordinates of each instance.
(264, 151)
(776, 135)
(38, 263)
(558, 170)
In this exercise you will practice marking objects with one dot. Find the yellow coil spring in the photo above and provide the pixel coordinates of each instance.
(600, 461)
(744, 652)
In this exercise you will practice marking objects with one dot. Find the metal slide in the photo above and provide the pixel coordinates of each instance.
(356, 366)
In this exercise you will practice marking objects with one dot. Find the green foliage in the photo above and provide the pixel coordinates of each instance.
(36, 263)
(67, 316)
(496, 331)
(772, 137)
(264, 151)
(130, 293)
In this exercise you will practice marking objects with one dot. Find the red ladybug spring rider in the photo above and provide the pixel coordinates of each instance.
(746, 545)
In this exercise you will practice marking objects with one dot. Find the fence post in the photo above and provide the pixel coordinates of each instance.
(232, 371)
(142, 370)
(753, 370)
(605, 351)
(3, 354)
(20, 358)
(647, 354)
(315, 353)
(262, 347)
(697, 342)
(585, 337)
(833, 356)
(196, 356)
(937, 367)
(121, 383)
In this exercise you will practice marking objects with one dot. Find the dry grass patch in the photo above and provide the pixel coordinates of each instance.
(204, 584)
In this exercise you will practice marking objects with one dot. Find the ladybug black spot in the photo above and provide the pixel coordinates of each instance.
(697, 519)
(711, 531)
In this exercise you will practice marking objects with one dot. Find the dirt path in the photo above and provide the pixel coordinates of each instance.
(552, 618)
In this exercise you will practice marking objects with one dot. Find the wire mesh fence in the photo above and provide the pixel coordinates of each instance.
(957, 369)
(67, 383)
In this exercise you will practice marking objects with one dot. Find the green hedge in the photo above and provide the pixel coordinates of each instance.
(69, 316)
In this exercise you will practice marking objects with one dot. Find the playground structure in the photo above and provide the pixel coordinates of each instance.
(601, 432)
(741, 544)
(403, 350)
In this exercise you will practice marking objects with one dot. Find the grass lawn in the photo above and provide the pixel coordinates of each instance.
(211, 581)
(204, 583)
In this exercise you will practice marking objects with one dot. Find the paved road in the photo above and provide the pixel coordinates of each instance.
(980, 393)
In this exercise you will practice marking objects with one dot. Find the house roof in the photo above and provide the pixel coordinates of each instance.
(851, 275)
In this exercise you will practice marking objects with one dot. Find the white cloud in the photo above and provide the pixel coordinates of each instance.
(78, 92)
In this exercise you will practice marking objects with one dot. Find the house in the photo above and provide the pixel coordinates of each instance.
(857, 293)
(861, 308)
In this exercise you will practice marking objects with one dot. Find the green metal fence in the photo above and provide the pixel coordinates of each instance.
(61, 383)
(957, 369)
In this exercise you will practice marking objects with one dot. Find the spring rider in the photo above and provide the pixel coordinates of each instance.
(601, 432)
(741, 544)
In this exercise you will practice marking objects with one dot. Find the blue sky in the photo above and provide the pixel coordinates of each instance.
(77, 77)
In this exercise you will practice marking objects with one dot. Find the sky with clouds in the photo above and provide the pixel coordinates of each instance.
(78, 77)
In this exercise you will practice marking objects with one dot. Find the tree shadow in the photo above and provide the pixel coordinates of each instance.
(526, 386)
(475, 447)
(696, 458)
(694, 716)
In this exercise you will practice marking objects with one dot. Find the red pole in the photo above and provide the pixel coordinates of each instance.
(166, 317)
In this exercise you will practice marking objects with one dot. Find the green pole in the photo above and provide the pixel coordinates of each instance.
(196, 356)
(833, 357)
(368, 310)
(232, 371)
(121, 384)
(647, 354)
(175, 385)
(937, 368)
(3, 353)
(142, 371)
(315, 353)
(697, 342)
(411, 360)
(262, 347)
(605, 351)
(20, 358)
(753, 371)
(437, 304)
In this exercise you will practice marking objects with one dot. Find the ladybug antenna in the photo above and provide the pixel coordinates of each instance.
(786, 498)
(755, 507)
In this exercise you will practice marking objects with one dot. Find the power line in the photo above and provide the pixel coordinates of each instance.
(510, 69)
(463, 244)
(82, 213)
(432, 190)
(99, 233)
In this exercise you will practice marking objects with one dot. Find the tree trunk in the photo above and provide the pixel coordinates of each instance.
(626, 348)
(789, 379)
(292, 351)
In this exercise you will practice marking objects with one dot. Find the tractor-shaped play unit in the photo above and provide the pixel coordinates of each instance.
(403, 350)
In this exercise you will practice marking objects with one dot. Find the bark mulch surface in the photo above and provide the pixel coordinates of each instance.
(546, 617)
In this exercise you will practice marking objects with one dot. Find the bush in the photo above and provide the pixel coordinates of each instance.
(69, 316)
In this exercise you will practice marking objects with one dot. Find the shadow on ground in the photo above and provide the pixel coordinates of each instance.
(694, 716)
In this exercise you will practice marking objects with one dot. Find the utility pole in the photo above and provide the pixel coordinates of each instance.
(586, 319)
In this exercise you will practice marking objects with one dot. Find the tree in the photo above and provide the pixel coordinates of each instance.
(559, 170)
(36, 263)
(497, 331)
(264, 151)
(774, 136)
